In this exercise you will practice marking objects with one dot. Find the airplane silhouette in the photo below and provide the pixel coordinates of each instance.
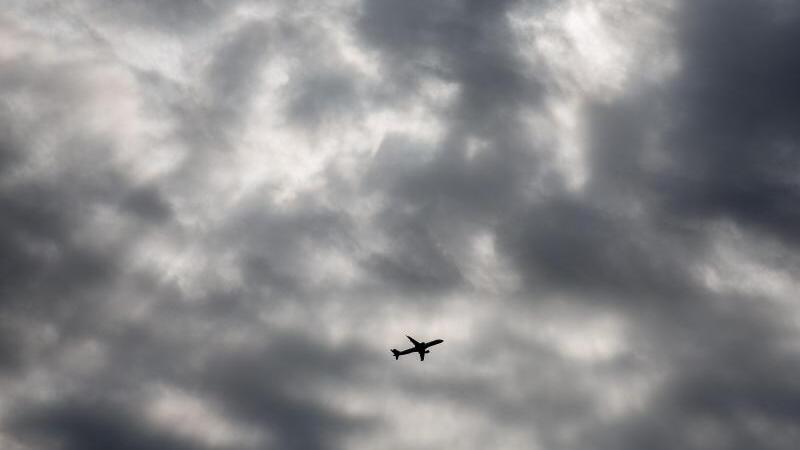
(419, 347)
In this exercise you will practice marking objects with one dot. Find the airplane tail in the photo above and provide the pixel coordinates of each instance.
(396, 354)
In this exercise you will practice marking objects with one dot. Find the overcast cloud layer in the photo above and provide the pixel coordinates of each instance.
(217, 217)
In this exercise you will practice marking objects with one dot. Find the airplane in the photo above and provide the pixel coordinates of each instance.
(419, 347)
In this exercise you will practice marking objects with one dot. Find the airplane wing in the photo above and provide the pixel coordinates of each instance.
(432, 343)
(412, 340)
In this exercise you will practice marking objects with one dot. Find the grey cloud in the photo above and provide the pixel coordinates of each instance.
(468, 43)
(224, 301)
(282, 404)
(572, 246)
(8, 155)
(11, 352)
(734, 140)
(148, 203)
(722, 381)
(272, 244)
(233, 66)
(84, 424)
(594, 246)
(437, 195)
(39, 254)
(320, 96)
(174, 16)
(230, 75)
(269, 383)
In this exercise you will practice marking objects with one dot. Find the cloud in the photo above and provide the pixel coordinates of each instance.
(738, 109)
(92, 426)
(217, 219)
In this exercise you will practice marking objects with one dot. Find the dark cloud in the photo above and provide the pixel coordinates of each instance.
(247, 229)
(178, 16)
(83, 424)
(207, 122)
(436, 195)
(41, 259)
(733, 140)
(465, 42)
(148, 204)
(573, 246)
(11, 353)
(730, 387)
(284, 406)
(273, 244)
(322, 95)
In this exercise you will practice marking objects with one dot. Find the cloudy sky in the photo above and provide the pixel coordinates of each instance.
(217, 217)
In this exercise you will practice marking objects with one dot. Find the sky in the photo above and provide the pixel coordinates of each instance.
(219, 216)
